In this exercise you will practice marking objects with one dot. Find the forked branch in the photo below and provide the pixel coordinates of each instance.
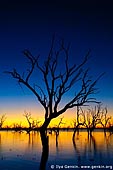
(57, 82)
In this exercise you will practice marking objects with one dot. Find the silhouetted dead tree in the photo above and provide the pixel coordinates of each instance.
(105, 119)
(17, 127)
(92, 118)
(2, 120)
(58, 126)
(32, 123)
(57, 82)
(79, 121)
(60, 122)
(57, 130)
(36, 124)
(29, 119)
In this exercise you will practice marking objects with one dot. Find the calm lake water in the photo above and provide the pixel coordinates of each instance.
(21, 151)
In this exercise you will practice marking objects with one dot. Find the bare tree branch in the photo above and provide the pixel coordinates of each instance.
(58, 82)
(2, 120)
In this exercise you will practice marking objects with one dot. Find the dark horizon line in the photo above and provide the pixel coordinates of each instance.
(54, 128)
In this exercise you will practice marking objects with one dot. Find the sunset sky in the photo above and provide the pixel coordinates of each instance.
(31, 24)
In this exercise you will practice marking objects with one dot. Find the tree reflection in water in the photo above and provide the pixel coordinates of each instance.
(75, 147)
(45, 149)
(36, 147)
(87, 149)
(93, 148)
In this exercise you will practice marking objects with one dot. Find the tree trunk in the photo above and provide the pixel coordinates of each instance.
(45, 150)
(45, 144)
(45, 124)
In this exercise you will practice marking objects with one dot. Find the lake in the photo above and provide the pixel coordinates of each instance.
(22, 151)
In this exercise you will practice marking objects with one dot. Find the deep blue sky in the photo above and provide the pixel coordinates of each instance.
(31, 24)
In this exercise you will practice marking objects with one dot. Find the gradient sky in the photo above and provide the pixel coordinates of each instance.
(31, 24)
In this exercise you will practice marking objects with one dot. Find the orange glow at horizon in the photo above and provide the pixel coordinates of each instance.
(14, 117)
(17, 117)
